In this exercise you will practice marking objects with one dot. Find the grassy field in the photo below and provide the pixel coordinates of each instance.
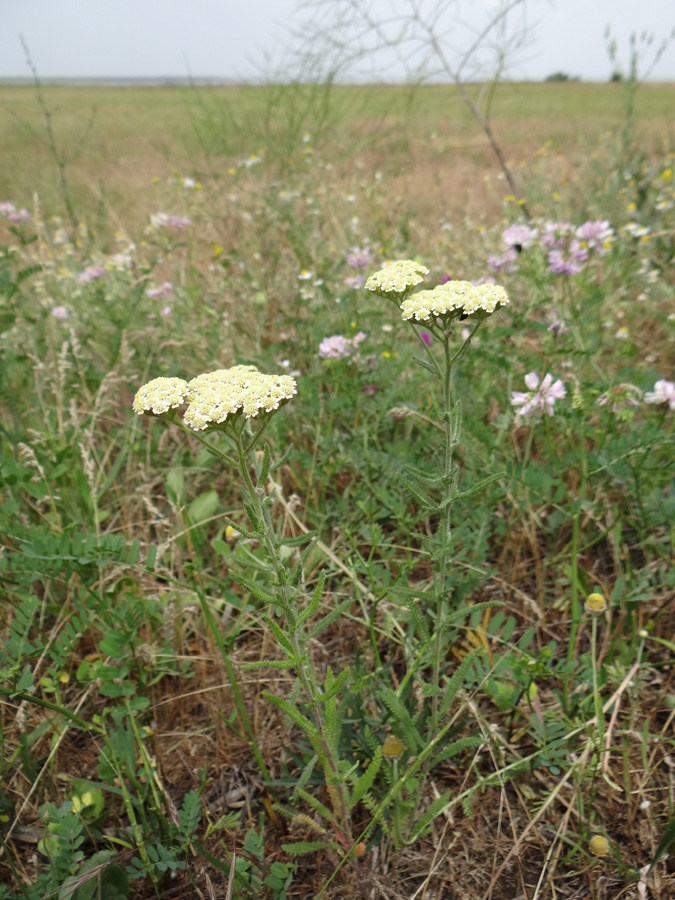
(391, 616)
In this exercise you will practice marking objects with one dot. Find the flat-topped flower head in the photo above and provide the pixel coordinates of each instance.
(485, 299)
(160, 395)
(397, 278)
(216, 397)
(452, 299)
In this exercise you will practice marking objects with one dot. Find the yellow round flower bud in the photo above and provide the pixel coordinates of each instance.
(393, 747)
(598, 845)
(595, 604)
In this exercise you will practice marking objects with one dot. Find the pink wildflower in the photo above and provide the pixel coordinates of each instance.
(595, 233)
(554, 234)
(369, 390)
(426, 338)
(360, 257)
(6, 208)
(518, 236)
(504, 263)
(161, 292)
(571, 264)
(664, 392)
(60, 312)
(339, 347)
(18, 218)
(91, 274)
(539, 395)
(355, 282)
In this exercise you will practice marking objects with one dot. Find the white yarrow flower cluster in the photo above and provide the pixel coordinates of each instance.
(215, 397)
(396, 278)
(160, 395)
(452, 299)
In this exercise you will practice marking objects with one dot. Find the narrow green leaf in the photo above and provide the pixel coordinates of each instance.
(334, 689)
(424, 501)
(457, 680)
(299, 847)
(667, 839)
(365, 782)
(331, 617)
(279, 635)
(314, 603)
(290, 711)
(272, 664)
(317, 805)
(435, 809)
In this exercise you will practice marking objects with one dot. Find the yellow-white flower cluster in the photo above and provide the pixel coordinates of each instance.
(216, 395)
(396, 278)
(160, 395)
(452, 299)
(213, 397)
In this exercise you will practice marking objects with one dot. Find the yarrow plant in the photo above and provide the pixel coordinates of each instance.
(228, 411)
(438, 310)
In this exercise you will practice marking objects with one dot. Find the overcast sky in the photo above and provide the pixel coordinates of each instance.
(229, 38)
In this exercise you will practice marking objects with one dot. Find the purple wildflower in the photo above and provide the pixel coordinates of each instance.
(539, 395)
(369, 390)
(595, 233)
(60, 312)
(445, 279)
(518, 236)
(621, 396)
(355, 282)
(425, 337)
(554, 234)
(360, 257)
(161, 292)
(6, 208)
(91, 274)
(164, 220)
(572, 264)
(17, 218)
(180, 221)
(339, 347)
(504, 263)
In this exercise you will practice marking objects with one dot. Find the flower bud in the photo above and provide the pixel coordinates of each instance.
(595, 604)
(598, 845)
(393, 747)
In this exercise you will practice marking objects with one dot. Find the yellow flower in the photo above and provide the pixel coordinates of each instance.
(509, 198)
(598, 845)
(631, 207)
(64, 677)
(231, 171)
(667, 175)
